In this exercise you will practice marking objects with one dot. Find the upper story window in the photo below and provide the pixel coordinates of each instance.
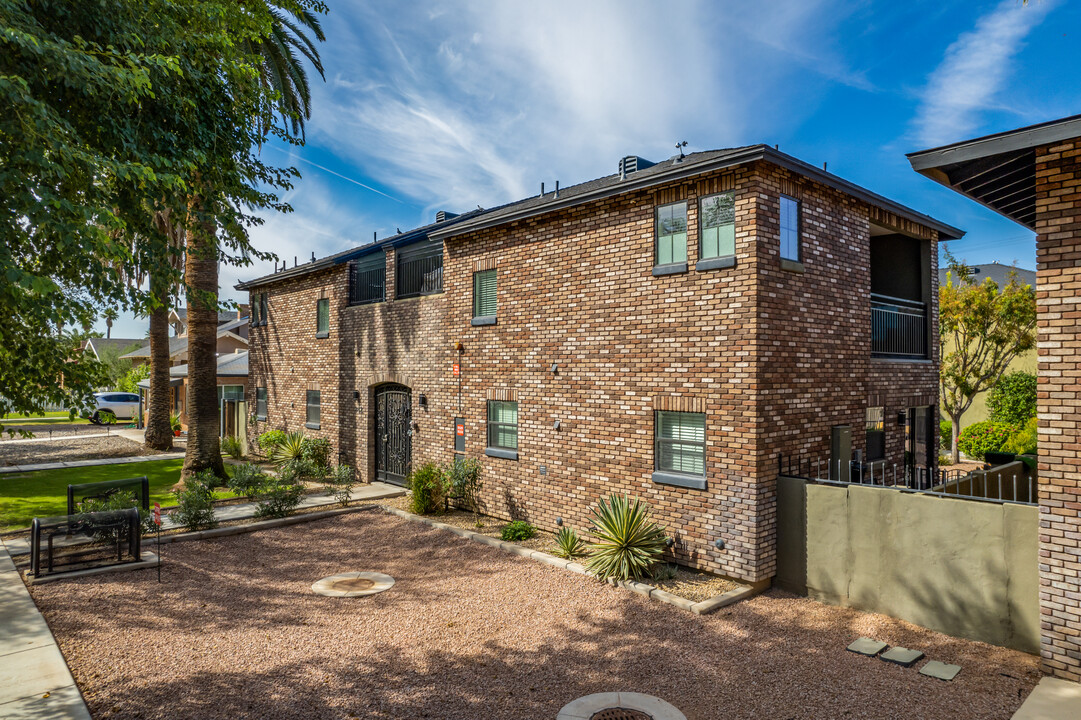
(420, 270)
(311, 419)
(717, 216)
(260, 403)
(671, 234)
(484, 297)
(502, 429)
(322, 318)
(790, 229)
(264, 309)
(368, 279)
(254, 316)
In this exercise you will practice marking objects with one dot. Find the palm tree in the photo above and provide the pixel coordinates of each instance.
(159, 431)
(282, 71)
(110, 315)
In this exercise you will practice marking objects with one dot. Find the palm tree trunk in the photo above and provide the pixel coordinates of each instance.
(201, 278)
(159, 434)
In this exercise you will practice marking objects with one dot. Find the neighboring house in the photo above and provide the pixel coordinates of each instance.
(178, 318)
(671, 331)
(101, 347)
(232, 338)
(1026, 361)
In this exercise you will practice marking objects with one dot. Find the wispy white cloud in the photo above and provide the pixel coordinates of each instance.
(973, 70)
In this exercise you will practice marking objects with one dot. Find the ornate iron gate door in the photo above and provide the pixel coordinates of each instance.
(393, 434)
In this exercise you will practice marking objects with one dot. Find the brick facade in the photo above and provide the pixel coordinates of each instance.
(773, 357)
(1058, 260)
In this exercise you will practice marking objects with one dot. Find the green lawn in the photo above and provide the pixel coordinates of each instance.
(24, 496)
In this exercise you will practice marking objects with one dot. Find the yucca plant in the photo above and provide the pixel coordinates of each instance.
(568, 544)
(289, 450)
(628, 542)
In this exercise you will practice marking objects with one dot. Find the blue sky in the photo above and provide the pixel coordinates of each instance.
(437, 105)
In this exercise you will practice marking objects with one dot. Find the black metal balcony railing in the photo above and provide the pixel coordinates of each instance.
(367, 286)
(420, 275)
(898, 327)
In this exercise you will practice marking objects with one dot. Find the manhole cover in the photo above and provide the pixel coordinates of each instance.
(354, 584)
(621, 714)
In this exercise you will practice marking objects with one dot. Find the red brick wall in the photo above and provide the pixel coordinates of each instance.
(1058, 263)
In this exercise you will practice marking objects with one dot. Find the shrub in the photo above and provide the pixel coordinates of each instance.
(247, 480)
(1023, 442)
(980, 438)
(316, 452)
(270, 440)
(1013, 399)
(231, 446)
(568, 544)
(945, 434)
(279, 497)
(340, 484)
(119, 500)
(463, 480)
(428, 489)
(195, 503)
(174, 422)
(289, 449)
(664, 571)
(517, 530)
(628, 542)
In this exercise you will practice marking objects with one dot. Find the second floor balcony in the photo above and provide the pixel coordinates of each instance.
(898, 328)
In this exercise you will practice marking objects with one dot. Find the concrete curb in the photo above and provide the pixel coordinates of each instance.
(146, 560)
(698, 608)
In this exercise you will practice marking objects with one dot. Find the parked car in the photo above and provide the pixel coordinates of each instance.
(109, 406)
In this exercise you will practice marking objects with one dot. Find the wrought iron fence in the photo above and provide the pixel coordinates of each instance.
(421, 275)
(991, 485)
(898, 327)
(367, 285)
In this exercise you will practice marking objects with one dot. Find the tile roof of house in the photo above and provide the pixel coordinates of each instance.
(997, 272)
(665, 171)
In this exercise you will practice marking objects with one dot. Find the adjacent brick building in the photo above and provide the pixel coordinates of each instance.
(1033, 176)
(673, 331)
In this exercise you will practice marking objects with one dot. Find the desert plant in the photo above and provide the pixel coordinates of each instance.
(247, 479)
(1013, 398)
(568, 544)
(289, 449)
(340, 483)
(279, 497)
(231, 446)
(628, 542)
(463, 481)
(517, 530)
(945, 433)
(1023, 442)
(174, 422)
(195, 502)
(980, 438)
(427, 489)
(316, 451)
(664, 571)
(270, 440)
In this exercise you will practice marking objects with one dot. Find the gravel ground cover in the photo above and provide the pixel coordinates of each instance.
(74, 448)
(468, 632)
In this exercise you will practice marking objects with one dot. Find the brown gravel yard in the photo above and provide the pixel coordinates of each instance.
(470, 632)
(75, 448)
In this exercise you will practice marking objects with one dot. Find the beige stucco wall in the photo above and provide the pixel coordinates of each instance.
(962, 567)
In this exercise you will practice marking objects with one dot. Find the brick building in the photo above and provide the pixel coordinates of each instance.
(670, 331)
(1033, 176)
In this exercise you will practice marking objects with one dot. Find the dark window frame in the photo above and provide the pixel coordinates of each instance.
(493, 429)
(671, 475)
(480, 318)
(422, 255)
(371, 266)
(264, 309)
(325, 302)
(308, 404)
(702, 257)
(674, 265)
(875, 432)
(798, 228)
(260, 397)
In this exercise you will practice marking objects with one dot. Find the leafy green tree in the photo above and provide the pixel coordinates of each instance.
(1013, 398)
(982, 328)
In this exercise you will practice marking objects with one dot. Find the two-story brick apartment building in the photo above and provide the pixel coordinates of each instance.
(667, 331)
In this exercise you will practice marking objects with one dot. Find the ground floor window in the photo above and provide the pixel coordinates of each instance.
(503, 425)
(312, 419)
(680, 443)
(260, 403)
(876, 433)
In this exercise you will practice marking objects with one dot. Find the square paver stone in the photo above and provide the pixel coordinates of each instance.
(901, 656)
(940, 670)
(867, 646)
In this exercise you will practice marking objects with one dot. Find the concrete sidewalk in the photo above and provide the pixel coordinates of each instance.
(35, 681)
(1052, 699)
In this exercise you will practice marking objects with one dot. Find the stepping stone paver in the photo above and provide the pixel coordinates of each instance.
(940, 670)
(901, 656)
(866, 646)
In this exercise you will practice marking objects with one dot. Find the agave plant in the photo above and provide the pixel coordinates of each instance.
(568, 544)
(628, 542)
(289, 450)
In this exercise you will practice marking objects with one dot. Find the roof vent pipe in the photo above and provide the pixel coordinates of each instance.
(557, 189)
(542, 189)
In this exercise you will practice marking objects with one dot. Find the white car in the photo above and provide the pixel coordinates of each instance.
(109, 406)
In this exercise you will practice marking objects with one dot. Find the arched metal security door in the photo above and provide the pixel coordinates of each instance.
(393, 433)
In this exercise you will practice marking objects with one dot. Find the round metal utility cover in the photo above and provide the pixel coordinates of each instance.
(619, 706)
(620, 714)
(354, 584)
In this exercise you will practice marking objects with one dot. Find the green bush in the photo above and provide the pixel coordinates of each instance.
(316, 452)
(1023, 442)
(980, 438)
(247, 480)
(428, 489)
(628, 542)
(340, 483)
(1013, 399)
(568, 544)
(270, 440)
(231, 446)
(945, 434)
(279, 497)
(517, 530)
(463, 481)
(174, 422)
(120, 500)
(195, 503)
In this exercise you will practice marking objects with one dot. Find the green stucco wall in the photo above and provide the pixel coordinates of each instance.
(961, 567)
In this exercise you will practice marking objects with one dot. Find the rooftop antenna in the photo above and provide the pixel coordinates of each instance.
(679, 146)
(375, 235)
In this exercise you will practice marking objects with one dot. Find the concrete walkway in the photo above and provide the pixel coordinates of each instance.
(240, 511)
(35, 681)
(90, 463)
(1053, 699)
